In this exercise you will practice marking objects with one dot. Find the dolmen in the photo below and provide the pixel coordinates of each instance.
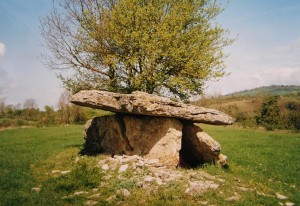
(151, 126)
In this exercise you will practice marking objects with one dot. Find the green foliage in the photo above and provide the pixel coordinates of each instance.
(67, 113)
(293, 116)
(269, 113)
(8, 122)
(49, 117)
(71, 115)
(247, 109)
(294, 119)
(157, 46)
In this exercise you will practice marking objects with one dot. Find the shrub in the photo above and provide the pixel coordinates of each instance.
(269, 116)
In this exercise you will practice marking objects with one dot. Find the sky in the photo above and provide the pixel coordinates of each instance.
(266, 50)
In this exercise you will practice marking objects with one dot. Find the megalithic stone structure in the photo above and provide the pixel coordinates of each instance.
(151, 126)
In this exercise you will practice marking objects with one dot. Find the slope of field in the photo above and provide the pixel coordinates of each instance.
(261, 165)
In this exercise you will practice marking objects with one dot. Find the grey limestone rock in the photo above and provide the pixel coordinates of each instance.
(166, 141)
(148, 104)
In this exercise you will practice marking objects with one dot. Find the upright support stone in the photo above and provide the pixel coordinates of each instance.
(155, 137)
(197, 146)
(152, 137)
(106, 134)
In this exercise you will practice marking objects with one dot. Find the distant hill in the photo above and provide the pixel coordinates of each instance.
(281, 90)
(245, 106)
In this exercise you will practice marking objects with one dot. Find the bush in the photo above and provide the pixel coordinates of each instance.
(293, 115)
(269, 116)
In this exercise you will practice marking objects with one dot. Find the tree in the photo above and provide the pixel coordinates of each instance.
(69, 113)
(30, 104)
(64, 107)
(157, 46)
(269, 113)
(48, 117)
(30, 110)
(2, 103)
(293, 116)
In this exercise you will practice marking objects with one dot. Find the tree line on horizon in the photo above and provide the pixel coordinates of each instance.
(270, 112)
(29, 114)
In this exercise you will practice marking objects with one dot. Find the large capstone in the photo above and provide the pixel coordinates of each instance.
(151, 105)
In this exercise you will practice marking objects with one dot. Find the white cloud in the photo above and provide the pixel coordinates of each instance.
(256, 65)
(2, 73)
(282, 76)
(241, 80)
(2, 49)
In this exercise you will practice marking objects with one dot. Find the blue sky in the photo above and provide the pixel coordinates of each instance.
(266, 50)
(267, 47)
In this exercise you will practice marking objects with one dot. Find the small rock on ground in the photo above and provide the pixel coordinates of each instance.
(111, 198)
(281, 197)
(80, 193)
(90, 202)
(199, 187)
(77, 159)
(123, 168)
(95, 196)
(264, 194)
(149, 178)
(123, 192)
(105, 167)
(158, 181)
(235, 197)
(36, 189)
(152, 161)
(95, 190)
(107, 177)
(244, 189)
(203, 202)
(65, 172)
(289, 204)
(55, 171)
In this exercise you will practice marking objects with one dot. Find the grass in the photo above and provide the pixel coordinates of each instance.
(19, 149)
(265, 162)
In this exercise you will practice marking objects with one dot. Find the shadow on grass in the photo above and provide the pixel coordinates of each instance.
(87, 150)
(74, 146)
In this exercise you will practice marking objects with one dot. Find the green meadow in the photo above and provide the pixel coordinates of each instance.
(262, 163)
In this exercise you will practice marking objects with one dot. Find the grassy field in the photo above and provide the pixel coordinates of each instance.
(265, 163)
(22, 148)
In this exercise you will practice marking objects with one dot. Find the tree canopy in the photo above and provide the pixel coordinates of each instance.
(165, 47)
